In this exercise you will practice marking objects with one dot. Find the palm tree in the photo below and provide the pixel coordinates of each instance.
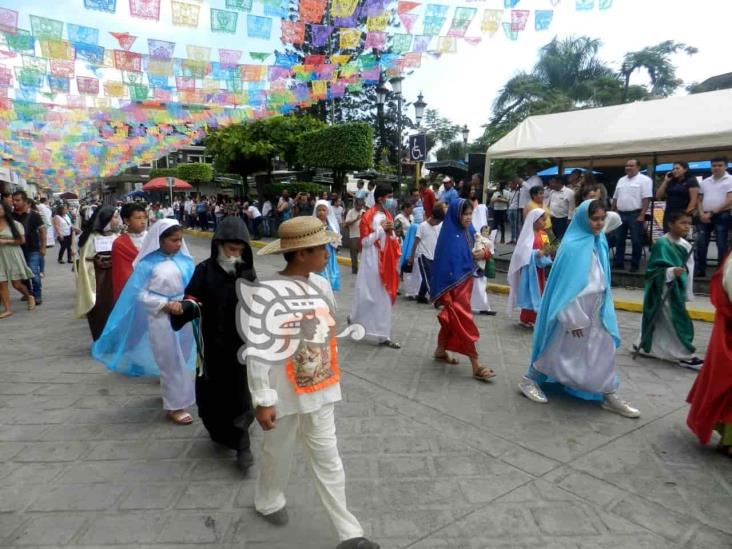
(656, 60)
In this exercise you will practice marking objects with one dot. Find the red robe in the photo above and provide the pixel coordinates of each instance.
(711, 395)
(124, 253)
(388, 257)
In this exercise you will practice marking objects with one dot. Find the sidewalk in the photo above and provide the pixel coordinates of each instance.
(626, 299)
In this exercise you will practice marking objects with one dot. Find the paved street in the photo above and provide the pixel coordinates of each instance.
(434, 459)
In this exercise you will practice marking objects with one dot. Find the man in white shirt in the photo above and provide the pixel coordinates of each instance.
(561, 205)
(532, 181)
(353, 220)
(255, 219)
(370, 200)
(715, 203)
(631, 199)
(425, 242)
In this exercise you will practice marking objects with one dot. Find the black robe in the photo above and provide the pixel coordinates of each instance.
(222, 392)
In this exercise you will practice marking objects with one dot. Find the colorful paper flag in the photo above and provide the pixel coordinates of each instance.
(447, 44)
(422, 43)
(319, 34)
(124, 39)
(375, 40)
(160, 49)
(461, 21)
(408, 20)
(145, 9)
(510, 3)
(81, 34)
(65, 69)
(293, 32)
(59, 84)
(185, 15)
(582, 5)
(229, 57)
(378, 22)
(87, 86)
(276, 8)
(57, 49)
(110, 6)
(223, 21)
(8, 20)
(49, 29)
(343, 8)
(401, 43)
(198, 53)
(259, 27)
(241, 5)
(605, 4)
(491, 21)
(543, 19)
(89, 52)
(406, 6)
(519, 19)
(509, 32)
(21, 41)
(349, 39)
(311, 11)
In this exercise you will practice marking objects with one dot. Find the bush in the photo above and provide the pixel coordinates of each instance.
(274, 190)
(163, 172)
(195, 173)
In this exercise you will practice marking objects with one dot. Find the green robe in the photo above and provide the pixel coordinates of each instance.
(665, 254)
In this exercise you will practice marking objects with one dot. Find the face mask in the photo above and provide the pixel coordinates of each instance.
(227, 263)
(389, 203)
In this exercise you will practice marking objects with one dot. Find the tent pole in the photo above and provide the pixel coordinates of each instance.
(652, 175)
(486, 179)
(560, 167)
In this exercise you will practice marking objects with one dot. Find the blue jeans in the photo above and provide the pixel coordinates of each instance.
(514, 221)
(720, 225)
(630, 222)
(33, 259)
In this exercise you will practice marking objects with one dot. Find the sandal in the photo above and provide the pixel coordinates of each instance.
(6, 314)
(31, 302)
(487, 374)
(180, 417)
(391, 344)
(447, 359)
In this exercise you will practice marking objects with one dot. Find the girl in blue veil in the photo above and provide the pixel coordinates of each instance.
(412, 277)
(451, 286)
(576, 331)
(138, 339)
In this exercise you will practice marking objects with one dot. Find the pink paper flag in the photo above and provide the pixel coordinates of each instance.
(125, 39)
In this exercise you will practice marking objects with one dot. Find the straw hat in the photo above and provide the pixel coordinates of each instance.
(299, 233)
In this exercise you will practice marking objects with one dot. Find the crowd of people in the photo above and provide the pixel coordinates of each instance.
(152, 311)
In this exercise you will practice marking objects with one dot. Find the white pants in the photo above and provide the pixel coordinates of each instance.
(317, 431)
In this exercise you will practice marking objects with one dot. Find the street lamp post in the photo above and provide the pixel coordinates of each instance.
(396, 86)
(381, 92)
(465, 132)
(419, 107)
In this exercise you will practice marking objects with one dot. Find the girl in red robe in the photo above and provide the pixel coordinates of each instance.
(451, 287)
(711, 395)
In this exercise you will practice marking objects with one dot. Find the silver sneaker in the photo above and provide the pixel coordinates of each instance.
(532, 391)
(613, 403)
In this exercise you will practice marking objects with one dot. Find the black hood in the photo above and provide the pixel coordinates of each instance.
(99, 219)
(233, 228)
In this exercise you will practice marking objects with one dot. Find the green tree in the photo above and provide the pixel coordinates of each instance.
(252, 146)
(340, 148)
(451, 151)
(438, 129)
(195, 173)
(656, 61)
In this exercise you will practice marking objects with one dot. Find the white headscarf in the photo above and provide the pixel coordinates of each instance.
(522, 254)
(152, 239)
(612, 222)
(332, 220)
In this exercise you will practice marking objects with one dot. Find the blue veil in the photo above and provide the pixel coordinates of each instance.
(124, 346)
(569, 276)
(454, 252)
(408, 242)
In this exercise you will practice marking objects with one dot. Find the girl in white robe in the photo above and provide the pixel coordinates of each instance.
(576, 330)
(138, 338)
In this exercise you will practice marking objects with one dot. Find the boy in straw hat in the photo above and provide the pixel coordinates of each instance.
(294, 391)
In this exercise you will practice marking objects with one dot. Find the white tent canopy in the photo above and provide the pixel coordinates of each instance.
(690, 127)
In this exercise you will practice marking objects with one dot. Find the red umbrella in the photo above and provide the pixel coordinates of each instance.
(163, 184)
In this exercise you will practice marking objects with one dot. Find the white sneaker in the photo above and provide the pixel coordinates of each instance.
(532, 391)
(613, 403)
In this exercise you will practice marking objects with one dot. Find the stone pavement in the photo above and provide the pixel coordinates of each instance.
(434, 459)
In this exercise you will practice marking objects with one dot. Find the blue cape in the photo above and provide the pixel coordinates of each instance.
(124, 346)
(569, 276)
(454, 252)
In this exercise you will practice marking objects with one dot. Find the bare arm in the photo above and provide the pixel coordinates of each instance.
(693, 200)
(644, 208)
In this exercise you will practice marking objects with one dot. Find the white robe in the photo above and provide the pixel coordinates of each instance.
(176, 384)
(479, 298)
(412, 281)
(665, 344)
(586, 363)
(372, 306)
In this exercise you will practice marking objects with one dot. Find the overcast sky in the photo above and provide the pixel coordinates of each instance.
(463, 86)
